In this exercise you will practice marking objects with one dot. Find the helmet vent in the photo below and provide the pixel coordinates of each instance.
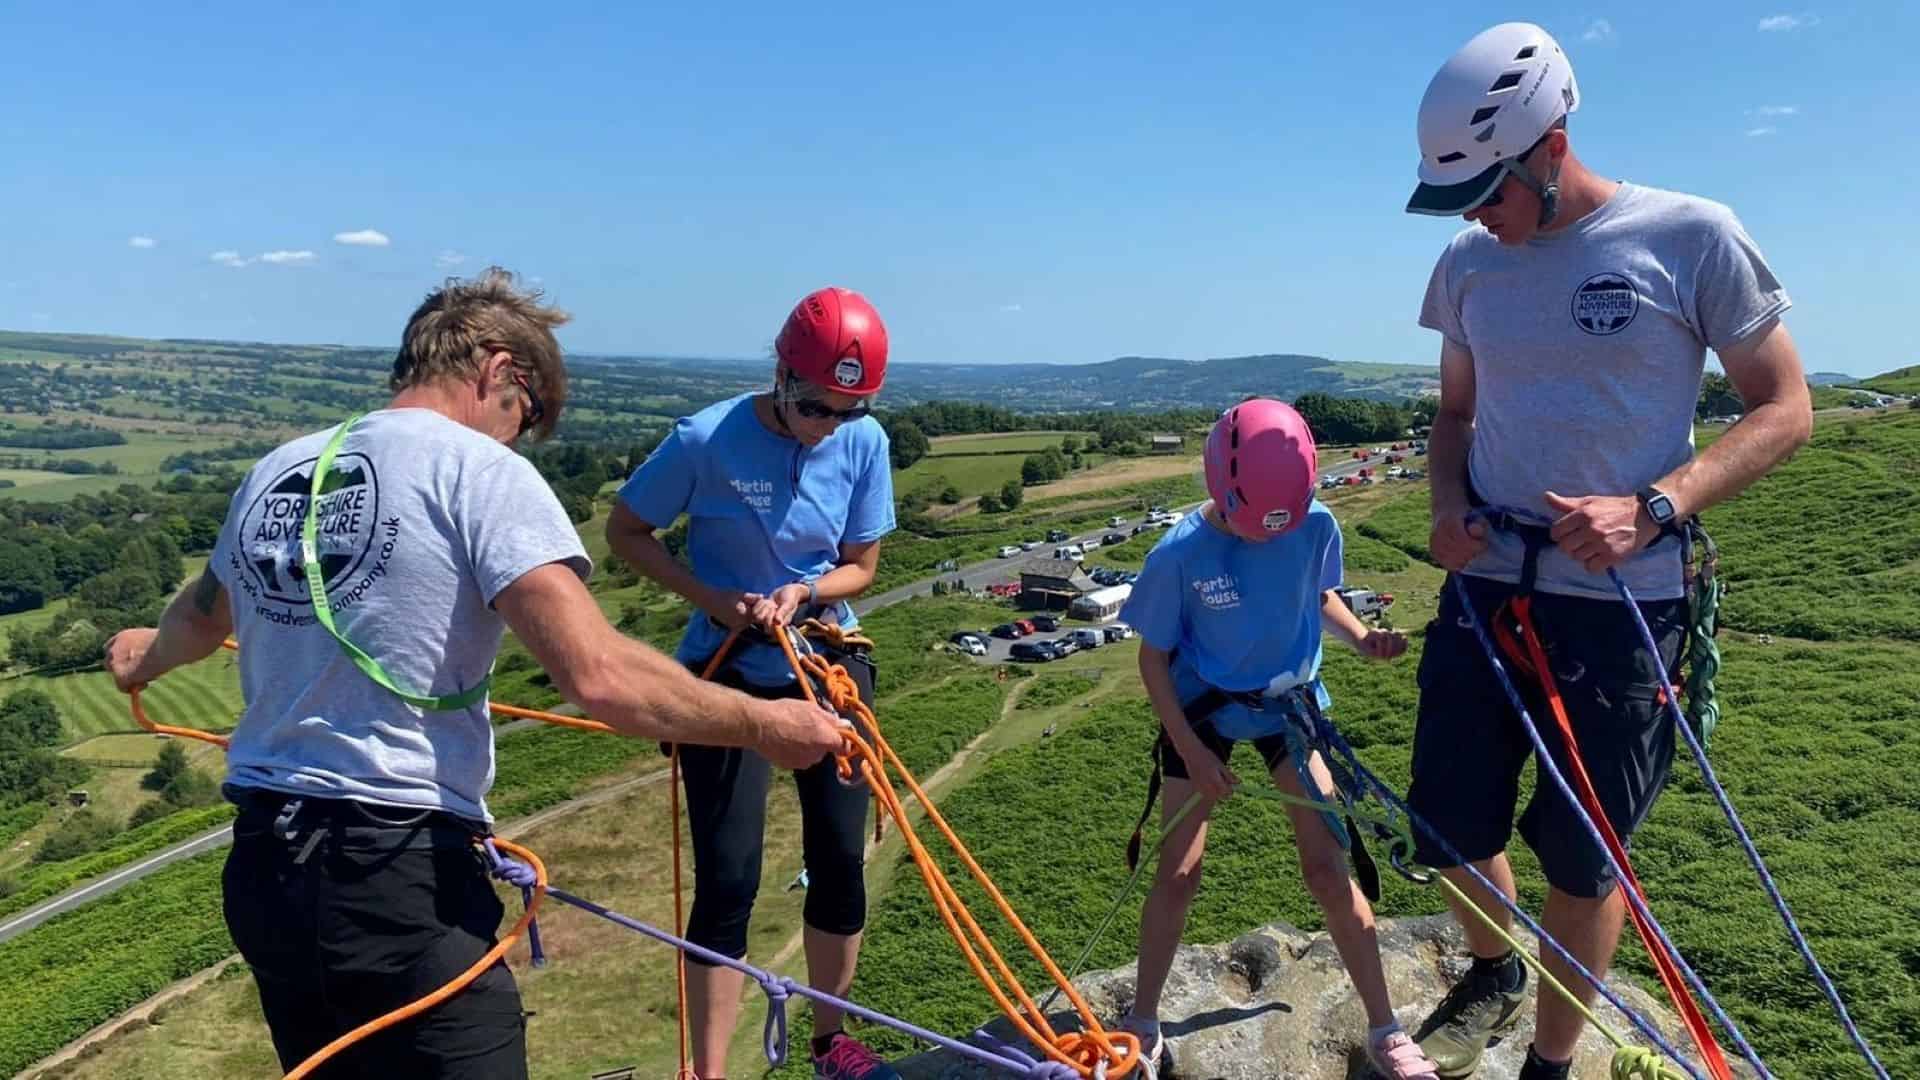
(1233, 468)
(1483, 114)
(1448, 159)
(1485, 135)
(1505, 82)
(1526, 53)
(1241, 495)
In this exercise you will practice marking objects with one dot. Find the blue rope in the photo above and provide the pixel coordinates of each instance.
(1746, 842)
(1593, 831)
(1386, 795)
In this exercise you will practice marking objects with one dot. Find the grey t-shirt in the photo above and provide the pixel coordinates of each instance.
(1588, 348)
(429, 522)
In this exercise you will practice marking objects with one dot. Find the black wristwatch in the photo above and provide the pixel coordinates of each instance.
(1659, 506)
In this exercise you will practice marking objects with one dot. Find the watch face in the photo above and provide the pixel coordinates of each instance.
(1660, 508)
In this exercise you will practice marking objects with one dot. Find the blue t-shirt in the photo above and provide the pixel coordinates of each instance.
(763, 511)
(1236, 615)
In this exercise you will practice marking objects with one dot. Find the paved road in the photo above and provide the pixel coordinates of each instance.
(67, 901)
(977, 575)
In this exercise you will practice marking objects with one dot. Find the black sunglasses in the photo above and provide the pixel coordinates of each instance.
(813, 410)
(536, 409)
(1495, 199)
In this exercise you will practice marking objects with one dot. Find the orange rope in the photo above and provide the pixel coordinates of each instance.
(459, 983)
(1664, 963)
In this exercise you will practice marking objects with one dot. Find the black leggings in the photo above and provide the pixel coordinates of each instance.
(727, 816)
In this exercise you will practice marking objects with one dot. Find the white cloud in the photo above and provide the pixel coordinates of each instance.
(1775, 110)
(140, 241)
(447, 260)
(1598, 30)
(1781, 23)
(285, 258)
(1760, 132)
(362, 238)
(229, 258)
(1012, 308)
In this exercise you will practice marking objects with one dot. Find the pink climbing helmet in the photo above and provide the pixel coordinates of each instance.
(1261, 465)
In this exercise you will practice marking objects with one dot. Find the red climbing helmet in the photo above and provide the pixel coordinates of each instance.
(836, 341)
(1260, 467)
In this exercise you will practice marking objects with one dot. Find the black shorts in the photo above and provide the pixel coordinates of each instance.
(1272, 748)
(1469, 747)
(375, 916)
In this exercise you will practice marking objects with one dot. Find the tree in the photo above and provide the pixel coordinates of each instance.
(171, 763)
(949, 495)
(906, 443)
(1070, 445)
(989, 503)
(1010, 494)
(1033, 470)
(85, 831)
(1717, 397)
(29, 718)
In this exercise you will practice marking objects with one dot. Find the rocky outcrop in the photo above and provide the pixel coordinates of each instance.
(1276, 1003)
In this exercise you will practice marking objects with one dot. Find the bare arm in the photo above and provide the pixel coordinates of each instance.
(641, 692)
(194, 624)
(1156, 674)
(1335, 619)
(638, 542)
(1766, 372)
(858, 563)
(1452, 434)
(1453, 540)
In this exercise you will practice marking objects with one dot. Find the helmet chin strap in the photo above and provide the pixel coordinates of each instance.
(1549, 192)
(783, 393)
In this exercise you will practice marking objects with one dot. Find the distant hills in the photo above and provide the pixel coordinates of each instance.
(1904, 380)
(1127, 384)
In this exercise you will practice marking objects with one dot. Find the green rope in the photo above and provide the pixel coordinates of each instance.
(1703, 653)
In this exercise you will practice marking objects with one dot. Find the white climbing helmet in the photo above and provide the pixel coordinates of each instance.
(1489, 103)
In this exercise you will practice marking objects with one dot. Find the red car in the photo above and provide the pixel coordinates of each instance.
(1026, 625)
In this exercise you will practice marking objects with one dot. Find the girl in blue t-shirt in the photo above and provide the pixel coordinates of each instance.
(787, 494)
(1230, 607)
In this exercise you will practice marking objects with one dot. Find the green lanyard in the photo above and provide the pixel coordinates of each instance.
(323, 608)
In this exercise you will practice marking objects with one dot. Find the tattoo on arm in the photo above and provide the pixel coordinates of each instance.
(206, 593)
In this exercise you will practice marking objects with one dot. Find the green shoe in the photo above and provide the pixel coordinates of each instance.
(1473, 1014)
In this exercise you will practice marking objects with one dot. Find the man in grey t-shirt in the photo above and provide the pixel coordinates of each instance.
(1575, 313)
(354, 885)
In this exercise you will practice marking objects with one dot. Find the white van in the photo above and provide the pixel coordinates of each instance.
(1071, 552)
(1089, 639)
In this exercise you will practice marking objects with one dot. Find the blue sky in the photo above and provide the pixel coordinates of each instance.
(1007, 182)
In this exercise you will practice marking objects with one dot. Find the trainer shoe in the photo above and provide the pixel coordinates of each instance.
(847, 1058)
(1473, 1014)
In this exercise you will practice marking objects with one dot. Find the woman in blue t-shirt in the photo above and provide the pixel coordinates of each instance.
(787, 494)
(1230, 606)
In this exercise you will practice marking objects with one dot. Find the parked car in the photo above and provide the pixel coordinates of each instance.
(1056, 536)
(1008, 631)
(1143, 526)
(1173, 518)
(1031, 651)
(971, 644)
(1046, 623)
(1114, 538)
(1070, 552)
(1116, 521)
(946, 564)
(1029, 545)
(1088, 638)
(1063, 647)
(1026, 626)
(1090, 543)
(1008, 551)
(1118, 631)
(1329, 481)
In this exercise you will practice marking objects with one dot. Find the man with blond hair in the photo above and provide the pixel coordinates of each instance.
(369, 606)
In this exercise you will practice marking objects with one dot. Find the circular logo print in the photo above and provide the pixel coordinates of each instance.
(1277, 520)
(269, 539)
(1605, 304)
(849, 371)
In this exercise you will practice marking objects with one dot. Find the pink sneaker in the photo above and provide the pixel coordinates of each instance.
(1398, 1057)
(847, 1058)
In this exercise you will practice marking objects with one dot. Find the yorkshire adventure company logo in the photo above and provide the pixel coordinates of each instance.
(348, 524)
(1605, 304)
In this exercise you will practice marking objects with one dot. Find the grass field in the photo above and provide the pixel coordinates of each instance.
(1904, 380)
(1025, 442)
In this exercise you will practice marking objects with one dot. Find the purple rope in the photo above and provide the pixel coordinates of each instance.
(1746, 841)
(1386, 795)
(778, 988)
